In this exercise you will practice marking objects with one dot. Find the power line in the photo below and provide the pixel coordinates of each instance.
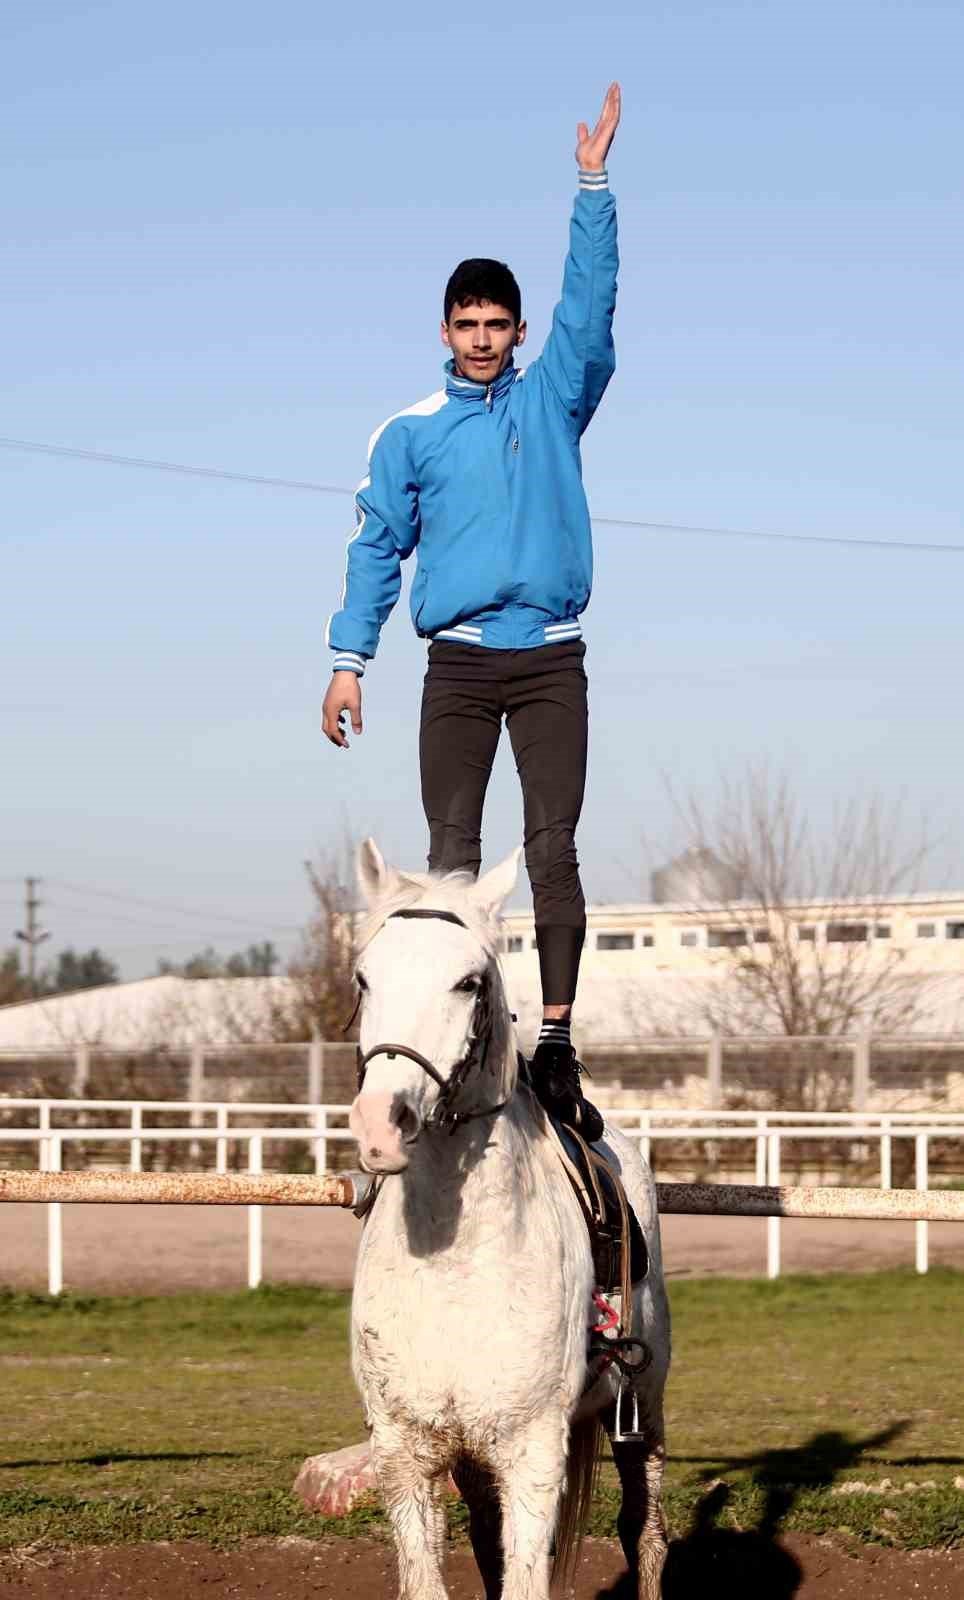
(926, 547)
(212, 930)
(247, 923)
(160, 945)
(170, 466)
(786, 538)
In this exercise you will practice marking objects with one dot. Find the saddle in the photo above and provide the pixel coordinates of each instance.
(619, 1253)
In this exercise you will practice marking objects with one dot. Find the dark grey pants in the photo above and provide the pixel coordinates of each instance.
(541, 693)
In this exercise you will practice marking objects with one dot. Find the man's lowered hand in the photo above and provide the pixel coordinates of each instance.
(344, 694)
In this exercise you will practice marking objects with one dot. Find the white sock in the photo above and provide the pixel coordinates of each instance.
(555, 1030)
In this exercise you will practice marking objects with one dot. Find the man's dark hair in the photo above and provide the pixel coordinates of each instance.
(480, 279)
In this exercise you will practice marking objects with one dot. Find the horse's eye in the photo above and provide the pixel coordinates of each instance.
(362, 982)
(469, 985)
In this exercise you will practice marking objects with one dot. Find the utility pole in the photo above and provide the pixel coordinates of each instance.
(31, 934)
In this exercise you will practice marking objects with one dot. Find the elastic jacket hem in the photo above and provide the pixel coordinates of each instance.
(510, 631)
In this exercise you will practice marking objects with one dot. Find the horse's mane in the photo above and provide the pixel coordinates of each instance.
(443, 892)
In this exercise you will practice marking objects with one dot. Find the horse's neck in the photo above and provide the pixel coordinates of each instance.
(462, 1186)
(467, 1159)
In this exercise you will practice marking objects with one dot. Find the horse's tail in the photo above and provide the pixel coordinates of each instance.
(585, 1443)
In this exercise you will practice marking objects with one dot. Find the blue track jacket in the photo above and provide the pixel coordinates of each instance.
(484, 483)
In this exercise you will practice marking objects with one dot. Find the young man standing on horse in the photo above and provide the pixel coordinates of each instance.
(483, 480)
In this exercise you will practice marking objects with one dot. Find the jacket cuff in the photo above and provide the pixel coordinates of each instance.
(593, 180)
(349, 661)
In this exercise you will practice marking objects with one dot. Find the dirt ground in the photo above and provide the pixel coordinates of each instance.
(151, 1249)
(721, 1564)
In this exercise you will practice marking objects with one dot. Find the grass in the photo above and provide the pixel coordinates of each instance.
(189, 1415)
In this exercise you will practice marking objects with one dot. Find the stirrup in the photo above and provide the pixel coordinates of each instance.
(633, 1434)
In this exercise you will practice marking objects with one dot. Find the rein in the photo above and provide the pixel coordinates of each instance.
(443, 1114)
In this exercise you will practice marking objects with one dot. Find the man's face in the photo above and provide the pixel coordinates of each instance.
(482, 339)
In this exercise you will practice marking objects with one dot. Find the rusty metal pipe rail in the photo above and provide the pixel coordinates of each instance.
(346, 1189)
(864, 1205)
(183, 1188)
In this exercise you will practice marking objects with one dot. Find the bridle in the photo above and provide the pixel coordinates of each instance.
(443, 1114)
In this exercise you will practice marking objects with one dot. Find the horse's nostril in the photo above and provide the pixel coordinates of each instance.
(405, 1118)
(374, 1152)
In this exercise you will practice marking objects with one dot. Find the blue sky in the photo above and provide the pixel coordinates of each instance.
(226, 231)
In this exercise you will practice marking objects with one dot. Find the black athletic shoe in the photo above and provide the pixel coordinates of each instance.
(555, 1071)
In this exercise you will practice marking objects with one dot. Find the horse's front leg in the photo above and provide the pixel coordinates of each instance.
(531, 1475)
(413, 1494)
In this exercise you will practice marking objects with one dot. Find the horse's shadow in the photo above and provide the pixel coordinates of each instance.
(750, 1563)
(431, 1231)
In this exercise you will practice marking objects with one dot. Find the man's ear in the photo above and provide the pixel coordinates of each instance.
(445, 336)
(520, 334)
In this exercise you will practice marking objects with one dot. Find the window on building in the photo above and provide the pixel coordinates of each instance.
(615, 941)
(727, 938)
(927, 930)
(513, 944)
(647, 941)
(689, 938)
(882, 930)
(954, 930)
(846, 932)
(760, 935)
(806, 933)
(535, 944)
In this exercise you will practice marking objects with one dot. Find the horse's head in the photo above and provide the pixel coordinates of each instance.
(430, 985)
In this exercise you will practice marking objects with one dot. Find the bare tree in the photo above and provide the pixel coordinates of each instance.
(804, 942)
(324, 968)
(318, 996)
(14, 985)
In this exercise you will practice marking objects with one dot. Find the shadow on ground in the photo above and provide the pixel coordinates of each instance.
(115, 1457)
(750, 1562)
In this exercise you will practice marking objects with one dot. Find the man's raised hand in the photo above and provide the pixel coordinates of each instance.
(593, 148)
(344, 694)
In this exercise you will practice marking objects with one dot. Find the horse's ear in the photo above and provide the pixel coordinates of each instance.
(375, 876)
(496, 886)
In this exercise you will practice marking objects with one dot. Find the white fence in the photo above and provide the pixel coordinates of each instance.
(323, 1126)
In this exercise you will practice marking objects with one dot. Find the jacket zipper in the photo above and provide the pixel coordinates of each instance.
(488, 397)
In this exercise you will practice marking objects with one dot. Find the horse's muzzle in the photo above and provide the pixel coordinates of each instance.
(385, 1125)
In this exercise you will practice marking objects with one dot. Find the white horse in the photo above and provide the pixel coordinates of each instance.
(473, 1290)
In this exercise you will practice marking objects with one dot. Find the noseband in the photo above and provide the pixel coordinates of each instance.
(443, 1113)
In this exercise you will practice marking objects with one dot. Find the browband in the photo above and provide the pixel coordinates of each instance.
(441, 916)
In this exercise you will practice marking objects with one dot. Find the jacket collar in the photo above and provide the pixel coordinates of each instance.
(467, 389)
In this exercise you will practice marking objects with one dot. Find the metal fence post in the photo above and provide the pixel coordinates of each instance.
(861, 1076)
(760, 1165)
(320, 1120)
(773, 1223)
(195, 1088)
(221, 1144)
(920, 1182)
(886, 1153)
(255, 1217)
(81, 1070)
(714, 1072)
(137, 1123)
(645, 1143)
(55, 1222)
(316, 1065)
(195, 1091)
